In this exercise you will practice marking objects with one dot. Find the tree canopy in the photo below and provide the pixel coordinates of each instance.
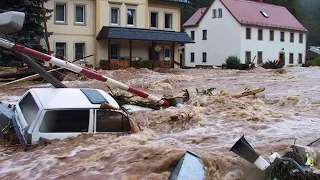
(32, 31)
(306, 11)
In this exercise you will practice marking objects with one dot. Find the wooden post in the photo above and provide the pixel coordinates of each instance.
(172, 55)
(109, 54)
(130, 55)
(44, 19)
(153, 53)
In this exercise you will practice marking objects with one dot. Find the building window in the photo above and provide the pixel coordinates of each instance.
(167, 54)
(291, 58)
(282, 36)
(168, 21)
(79, 51)
(264, 14)
(300, 58)
(192, 35)
(61, 49)
(192, 57)
(260, 34)
(248, 57)
(220, 13)
(115, 51)
(115, 13)
(214, 13)
(131, 17)
(204, 34)
(300, 38)
(259, 57)
(292, 37)
(154, 19)
(80, 14)
(271, 35)
(61, 13)
(248, 33)
(204, 57)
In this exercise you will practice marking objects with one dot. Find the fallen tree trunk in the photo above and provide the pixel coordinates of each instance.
(249, 92)
(28, 78)
(17, 75)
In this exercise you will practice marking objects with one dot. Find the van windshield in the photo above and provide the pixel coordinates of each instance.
(111, 121)
(28, 108)
(67, 121)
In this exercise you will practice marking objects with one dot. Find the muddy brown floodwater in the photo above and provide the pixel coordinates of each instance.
(288, 111)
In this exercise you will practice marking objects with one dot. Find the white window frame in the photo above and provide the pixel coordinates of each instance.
(219, 13)
(84, 14)
(134, 16)
(118, 13)
(65, 49)
(214, 13)
(64, 4)
(157, 19)
(84, 50)
(167, 58)
(171, 23)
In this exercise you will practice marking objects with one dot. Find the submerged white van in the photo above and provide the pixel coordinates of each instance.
(58, 113)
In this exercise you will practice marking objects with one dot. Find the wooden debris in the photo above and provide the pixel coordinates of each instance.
(206, 91)
(249, 92)
(183, 116)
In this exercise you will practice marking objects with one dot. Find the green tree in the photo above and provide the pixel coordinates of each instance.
(32, 31)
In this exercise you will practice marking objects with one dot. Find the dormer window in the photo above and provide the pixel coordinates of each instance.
(264, 14)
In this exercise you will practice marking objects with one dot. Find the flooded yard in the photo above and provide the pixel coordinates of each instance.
(287, 112)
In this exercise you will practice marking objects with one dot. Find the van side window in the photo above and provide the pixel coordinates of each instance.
(65, 121)
(112, 121)
(28, 108)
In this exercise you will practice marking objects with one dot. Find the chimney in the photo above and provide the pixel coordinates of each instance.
(260, 1)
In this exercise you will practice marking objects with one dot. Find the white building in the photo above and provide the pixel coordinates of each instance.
(249, 30)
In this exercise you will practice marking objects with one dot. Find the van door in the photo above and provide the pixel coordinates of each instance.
(62, 123)
(107, 121)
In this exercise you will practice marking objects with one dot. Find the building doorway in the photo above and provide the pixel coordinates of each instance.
(282, 58)
(153, 55)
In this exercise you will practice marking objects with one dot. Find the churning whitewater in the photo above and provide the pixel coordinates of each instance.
(287, 112)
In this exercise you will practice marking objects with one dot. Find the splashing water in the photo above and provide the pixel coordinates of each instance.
(287, 111)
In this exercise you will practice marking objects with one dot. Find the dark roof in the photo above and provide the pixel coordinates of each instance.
(108, 32)
(250, 13)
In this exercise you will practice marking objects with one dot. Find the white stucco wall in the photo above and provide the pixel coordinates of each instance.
(223, 38)
(271, 49)
(227, 37)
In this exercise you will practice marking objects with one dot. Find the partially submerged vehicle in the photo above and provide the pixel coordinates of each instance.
(58, 113)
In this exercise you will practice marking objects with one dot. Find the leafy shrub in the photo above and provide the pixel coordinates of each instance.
(103, 64)
(276, 64)
(313, 62)
(233, 62)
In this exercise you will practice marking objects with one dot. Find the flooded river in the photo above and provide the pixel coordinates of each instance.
(287, 112)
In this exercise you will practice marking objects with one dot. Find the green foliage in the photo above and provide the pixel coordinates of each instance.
(32, 31)
(276, 64)
(313, 62)
(233, 62)
(143, 64)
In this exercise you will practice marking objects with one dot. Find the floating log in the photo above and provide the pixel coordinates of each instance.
(249, 92)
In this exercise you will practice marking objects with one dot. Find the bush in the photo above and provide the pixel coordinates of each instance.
(276, 64)
(233, 62)
(313, 62)
(103, 64)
